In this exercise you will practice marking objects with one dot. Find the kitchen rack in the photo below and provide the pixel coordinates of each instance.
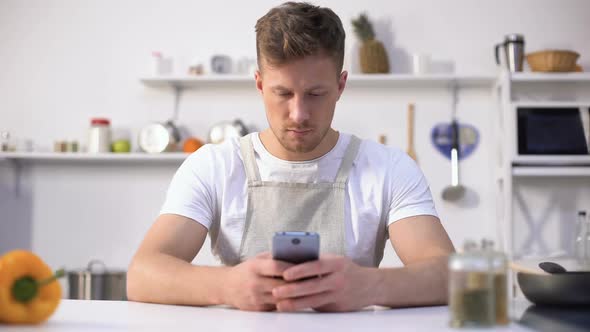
(531, 90)
(398, 81)
(180, 83)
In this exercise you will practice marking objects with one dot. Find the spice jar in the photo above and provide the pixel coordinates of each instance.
(99, 135)
(471, 288)
(4, 140)
(499, 263)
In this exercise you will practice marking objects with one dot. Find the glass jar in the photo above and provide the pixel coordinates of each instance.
(99, 136)
(471, 288)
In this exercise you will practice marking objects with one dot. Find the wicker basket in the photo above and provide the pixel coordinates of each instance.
(553, 60)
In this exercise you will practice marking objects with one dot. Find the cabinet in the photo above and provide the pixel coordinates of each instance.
(533, 90)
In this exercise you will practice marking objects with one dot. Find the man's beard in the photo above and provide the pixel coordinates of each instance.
(304, 146)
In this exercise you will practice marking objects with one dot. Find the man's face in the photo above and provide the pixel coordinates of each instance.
(300, 98)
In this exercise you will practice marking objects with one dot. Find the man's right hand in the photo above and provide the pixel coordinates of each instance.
(249, 284)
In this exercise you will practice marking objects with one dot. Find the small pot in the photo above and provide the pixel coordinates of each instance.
(159, 137)
(227, 129)
(97, 283)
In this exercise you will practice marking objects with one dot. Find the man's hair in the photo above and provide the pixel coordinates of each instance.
(294, 30)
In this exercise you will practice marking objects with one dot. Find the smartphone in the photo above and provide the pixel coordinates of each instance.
(296, 247)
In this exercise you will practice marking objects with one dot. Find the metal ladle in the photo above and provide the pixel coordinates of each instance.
(455, 190)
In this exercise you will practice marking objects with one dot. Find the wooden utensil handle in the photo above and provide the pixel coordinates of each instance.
(520, 268)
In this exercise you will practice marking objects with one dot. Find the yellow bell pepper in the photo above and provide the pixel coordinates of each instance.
(29, 292)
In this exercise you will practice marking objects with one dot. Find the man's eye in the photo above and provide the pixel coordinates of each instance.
(316, 94)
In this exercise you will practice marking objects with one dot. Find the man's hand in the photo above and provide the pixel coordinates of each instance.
(336, 284)
(249, 285)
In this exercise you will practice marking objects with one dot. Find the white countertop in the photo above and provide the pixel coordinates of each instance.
(79, 315)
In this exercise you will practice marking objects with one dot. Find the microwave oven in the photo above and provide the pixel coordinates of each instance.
(553, 130)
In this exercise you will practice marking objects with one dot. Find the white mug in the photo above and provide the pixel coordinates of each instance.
(420, 63)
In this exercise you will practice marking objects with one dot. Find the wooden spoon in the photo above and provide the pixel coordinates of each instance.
(410, 150)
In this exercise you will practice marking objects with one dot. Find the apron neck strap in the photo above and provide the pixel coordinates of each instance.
(347, 161)
(247, 150)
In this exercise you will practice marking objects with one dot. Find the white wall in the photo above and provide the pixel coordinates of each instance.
(64, 62)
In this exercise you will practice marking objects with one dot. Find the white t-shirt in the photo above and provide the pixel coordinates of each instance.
(385, 185)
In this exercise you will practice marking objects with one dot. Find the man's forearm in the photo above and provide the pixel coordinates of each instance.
(162, 278)
(417, 284)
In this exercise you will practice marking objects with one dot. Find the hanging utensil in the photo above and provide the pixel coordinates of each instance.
(455, 190)
(410, 150)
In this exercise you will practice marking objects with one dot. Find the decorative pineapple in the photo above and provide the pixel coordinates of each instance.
(373, 56)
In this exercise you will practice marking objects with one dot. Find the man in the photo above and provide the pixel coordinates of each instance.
(299, 174)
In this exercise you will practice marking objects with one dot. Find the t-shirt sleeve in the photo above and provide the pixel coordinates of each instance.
(191, 191)
(409, 190)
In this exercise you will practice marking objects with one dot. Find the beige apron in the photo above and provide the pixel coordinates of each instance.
(283, 206)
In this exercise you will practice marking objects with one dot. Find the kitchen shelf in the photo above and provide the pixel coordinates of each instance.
(54, 156)
(552, 103)
(551, 160)
(530, 77)
(532, 171)
(197, 81)
(354, 80)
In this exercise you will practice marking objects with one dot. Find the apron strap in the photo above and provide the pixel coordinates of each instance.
(349, 157)
(247, 150)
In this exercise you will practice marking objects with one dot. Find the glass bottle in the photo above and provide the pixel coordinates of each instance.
(499, 263)
(471, 296)
(582, 243)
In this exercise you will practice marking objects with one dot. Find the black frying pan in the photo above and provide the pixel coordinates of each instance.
(560, 288)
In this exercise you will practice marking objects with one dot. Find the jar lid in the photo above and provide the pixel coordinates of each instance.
(100, 121)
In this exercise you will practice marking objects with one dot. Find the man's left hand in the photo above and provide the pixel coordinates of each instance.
(335, 283)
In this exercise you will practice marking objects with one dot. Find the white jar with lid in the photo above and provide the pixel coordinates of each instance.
(99, 136)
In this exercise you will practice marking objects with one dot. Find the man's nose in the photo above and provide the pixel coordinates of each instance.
(298, 110)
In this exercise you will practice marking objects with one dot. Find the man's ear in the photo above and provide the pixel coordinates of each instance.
(342, 83)
(258, 78)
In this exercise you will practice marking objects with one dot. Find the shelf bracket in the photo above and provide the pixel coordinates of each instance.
(455, 97)
(178, 90)
(17, 172)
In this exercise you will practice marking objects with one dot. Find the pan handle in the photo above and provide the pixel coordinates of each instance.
(520, 268)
